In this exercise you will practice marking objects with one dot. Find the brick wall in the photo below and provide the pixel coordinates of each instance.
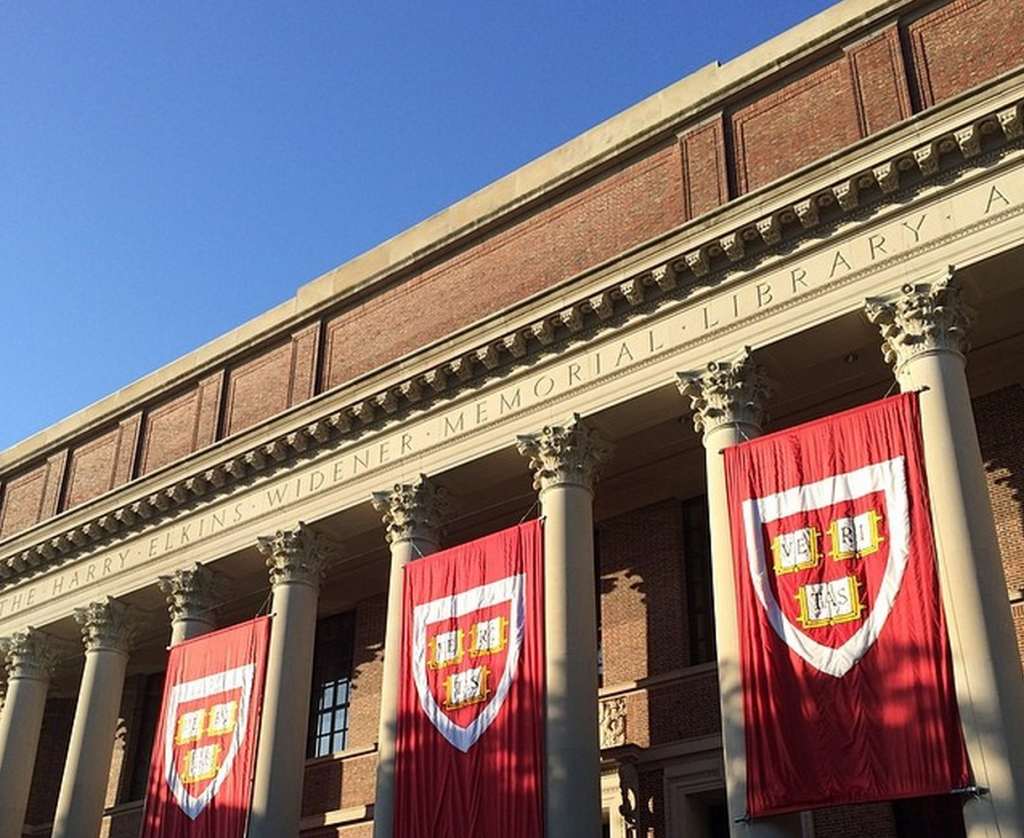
(367, 672)
(594, 222)
(963, 44)
(1000, 420)
(183, 424)
(874, 819)
(54, 739)
(643, 619)
(333, 783)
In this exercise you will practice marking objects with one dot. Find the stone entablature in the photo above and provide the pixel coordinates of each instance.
(848, 39)
(975, 212)
(629, 293)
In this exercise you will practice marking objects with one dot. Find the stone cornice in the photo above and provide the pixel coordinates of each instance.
(668, 272)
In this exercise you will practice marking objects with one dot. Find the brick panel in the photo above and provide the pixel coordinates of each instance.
(367, 672)
(258, 389)
(54, 739)
(963, 44)
(306, 345)
(880, 81)
(637, 201)
(795, 126)
(1000, 420)
(874, 819)
(643, 623)
(705, 174)
(182, 425)
(123, 825)
(102, 463)
(127, 449)
(687, 709)
(33, 496)
(652, 802)
(332, 783)
(1018, 626)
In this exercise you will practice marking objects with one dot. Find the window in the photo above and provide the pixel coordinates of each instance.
(332, 685)
(147, 721)
(700, 607)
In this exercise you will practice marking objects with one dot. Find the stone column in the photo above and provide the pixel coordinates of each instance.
(31, 659)
(413, 517)
(924, 332)
(728, 401)
(191, 599)
(296, 559)
(565, 460)
(108, 628)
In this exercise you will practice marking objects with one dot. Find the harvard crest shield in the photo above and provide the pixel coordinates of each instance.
(200, 777)
(827, 560)
(466, 650)
(469, 749)
(842, 637)
(205, 725)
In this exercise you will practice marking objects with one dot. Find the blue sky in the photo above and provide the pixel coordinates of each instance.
(169, 170)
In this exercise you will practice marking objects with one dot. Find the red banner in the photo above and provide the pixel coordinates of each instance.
(200, 778)
(469, 749)
(847, 678)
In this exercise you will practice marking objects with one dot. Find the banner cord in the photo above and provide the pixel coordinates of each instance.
(533, 506)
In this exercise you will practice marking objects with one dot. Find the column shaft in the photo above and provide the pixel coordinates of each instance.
(107, 628)
(413, 515)
(565, 460)
(573, 802)
(728, 401)
(925, 335)
(296, 561)
(31, 659)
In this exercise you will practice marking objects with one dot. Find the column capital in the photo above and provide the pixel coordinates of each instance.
(925, 317)
(732, 392)
(571, 453)
(32, 654)
(192, 592)
(108, 625)
(298, 555)
(413, 510)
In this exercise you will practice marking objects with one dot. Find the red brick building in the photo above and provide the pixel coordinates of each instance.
(754, 204)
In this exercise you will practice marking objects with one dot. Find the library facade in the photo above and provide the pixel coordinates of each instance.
(834, 217)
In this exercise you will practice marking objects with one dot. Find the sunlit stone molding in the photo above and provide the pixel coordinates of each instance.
(612, 715)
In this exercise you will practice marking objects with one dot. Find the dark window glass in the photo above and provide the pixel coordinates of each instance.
(332, 685)
(700, 608)
(148, 720)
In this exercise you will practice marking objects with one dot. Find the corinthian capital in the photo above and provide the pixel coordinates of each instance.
(414, 510)
(107, 625)
(192, 592)
(727, 393)
(31, 654)
(926, 317)
(299, 555)
(565, 454)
